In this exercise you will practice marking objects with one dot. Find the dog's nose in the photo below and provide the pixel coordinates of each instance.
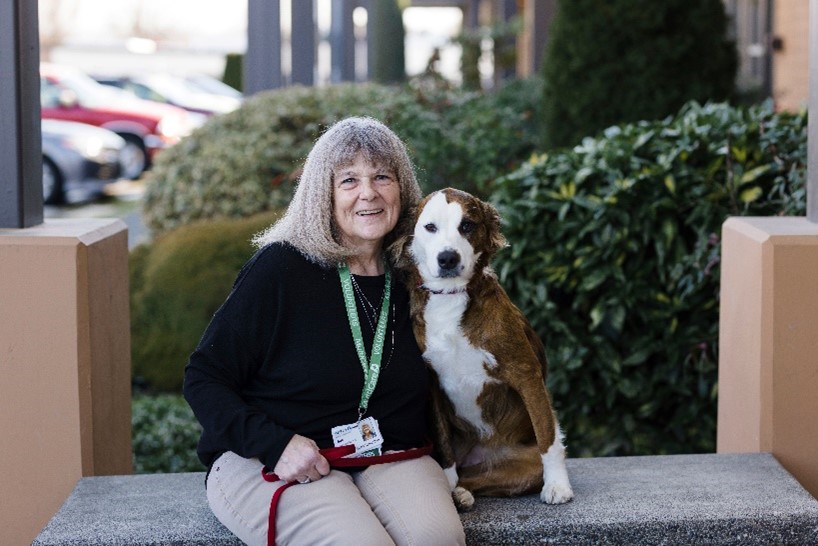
(448, 259)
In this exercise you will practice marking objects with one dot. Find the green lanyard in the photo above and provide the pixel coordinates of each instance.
(372, 367)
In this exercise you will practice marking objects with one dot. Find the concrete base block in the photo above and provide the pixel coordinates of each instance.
(65, 365)
(768, 342)
(736, 499)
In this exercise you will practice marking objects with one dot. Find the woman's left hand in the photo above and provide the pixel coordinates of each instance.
(301, 461)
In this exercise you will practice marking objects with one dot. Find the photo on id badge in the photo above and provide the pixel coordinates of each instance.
(364, 435)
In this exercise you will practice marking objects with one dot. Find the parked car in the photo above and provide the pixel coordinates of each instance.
(147, 127)
(175, 90)
(78, 158)
(211, 85)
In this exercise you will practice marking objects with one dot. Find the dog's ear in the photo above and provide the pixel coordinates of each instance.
(397, 250)
(493, 221)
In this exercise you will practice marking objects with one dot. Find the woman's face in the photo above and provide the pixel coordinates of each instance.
(366, 201)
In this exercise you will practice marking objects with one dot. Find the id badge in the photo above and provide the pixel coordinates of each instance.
(365, 435)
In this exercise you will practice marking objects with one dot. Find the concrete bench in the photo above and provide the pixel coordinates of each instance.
(712, 499)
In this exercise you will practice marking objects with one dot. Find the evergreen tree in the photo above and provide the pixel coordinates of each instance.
(387, 57)
(233, 71)
(616, 61)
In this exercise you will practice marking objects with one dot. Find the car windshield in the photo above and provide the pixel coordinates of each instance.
(211, 85)
(174, 89)
(89, 92)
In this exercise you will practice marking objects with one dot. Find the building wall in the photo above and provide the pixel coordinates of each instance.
(791, 54)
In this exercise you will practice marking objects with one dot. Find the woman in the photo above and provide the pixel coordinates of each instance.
(281, 371)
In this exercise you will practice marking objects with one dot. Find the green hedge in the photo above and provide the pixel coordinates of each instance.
(480, 136)
(614, 257)
(177, 283)
(165, 434)
(247, 161)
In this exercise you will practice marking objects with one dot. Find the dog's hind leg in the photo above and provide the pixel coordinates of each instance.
(444, 425)
(509, 472)
(463, 499)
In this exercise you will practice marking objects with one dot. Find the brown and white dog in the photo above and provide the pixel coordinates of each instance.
(497, 434)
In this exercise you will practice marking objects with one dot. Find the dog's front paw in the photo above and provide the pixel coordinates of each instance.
(556, 493)
(463, 499)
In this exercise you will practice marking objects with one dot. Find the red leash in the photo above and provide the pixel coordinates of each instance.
(336, 456)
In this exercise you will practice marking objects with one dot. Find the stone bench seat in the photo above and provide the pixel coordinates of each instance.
(711, 499)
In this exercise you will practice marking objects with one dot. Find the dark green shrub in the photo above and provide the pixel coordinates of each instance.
(614, 257)
(247, 161)
(626, 60)
(476, 136)
(165, 434)
(177, 283)
(387, 56)
(234, 71)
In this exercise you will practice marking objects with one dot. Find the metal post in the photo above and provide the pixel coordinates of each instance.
(21, 169)
(342, 39)
(812, 135)
(538, 16)
(262, 62)
(471, 12)
(504, 11)
(303, 42)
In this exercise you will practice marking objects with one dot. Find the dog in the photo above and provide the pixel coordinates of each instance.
(496, 432)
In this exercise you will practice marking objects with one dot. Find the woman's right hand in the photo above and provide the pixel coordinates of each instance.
(301, 461)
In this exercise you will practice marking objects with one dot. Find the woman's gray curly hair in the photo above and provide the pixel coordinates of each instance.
(309, 223)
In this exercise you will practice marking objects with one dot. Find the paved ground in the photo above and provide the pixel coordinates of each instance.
(122, 200)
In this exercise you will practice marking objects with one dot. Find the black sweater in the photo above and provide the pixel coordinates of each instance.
(278, 359)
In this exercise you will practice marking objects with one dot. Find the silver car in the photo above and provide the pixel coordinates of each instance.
(78, 158)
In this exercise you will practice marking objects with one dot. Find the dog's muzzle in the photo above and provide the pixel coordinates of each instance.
(449, 263)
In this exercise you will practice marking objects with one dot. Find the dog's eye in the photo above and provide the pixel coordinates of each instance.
(431, 228)
(467, 226)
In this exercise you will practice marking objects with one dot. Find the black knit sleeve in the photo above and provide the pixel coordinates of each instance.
(226, 359)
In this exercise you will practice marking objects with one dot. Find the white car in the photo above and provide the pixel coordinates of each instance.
(175, 90)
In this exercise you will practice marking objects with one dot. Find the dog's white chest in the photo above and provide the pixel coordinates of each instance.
(460, 366)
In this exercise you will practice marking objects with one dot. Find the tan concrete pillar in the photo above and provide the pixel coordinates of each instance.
(768, 342)
(64, 363)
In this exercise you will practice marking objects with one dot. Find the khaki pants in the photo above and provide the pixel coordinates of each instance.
(405, 502)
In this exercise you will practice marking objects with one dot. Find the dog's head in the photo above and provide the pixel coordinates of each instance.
(453, 236)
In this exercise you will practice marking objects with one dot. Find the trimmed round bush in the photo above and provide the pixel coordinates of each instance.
(614, 257)
(177, 283)
(248, 160)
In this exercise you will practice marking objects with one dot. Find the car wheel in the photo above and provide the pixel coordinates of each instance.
(133, 157)
(52, 183)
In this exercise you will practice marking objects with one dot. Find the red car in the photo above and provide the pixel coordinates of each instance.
(146, 126)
